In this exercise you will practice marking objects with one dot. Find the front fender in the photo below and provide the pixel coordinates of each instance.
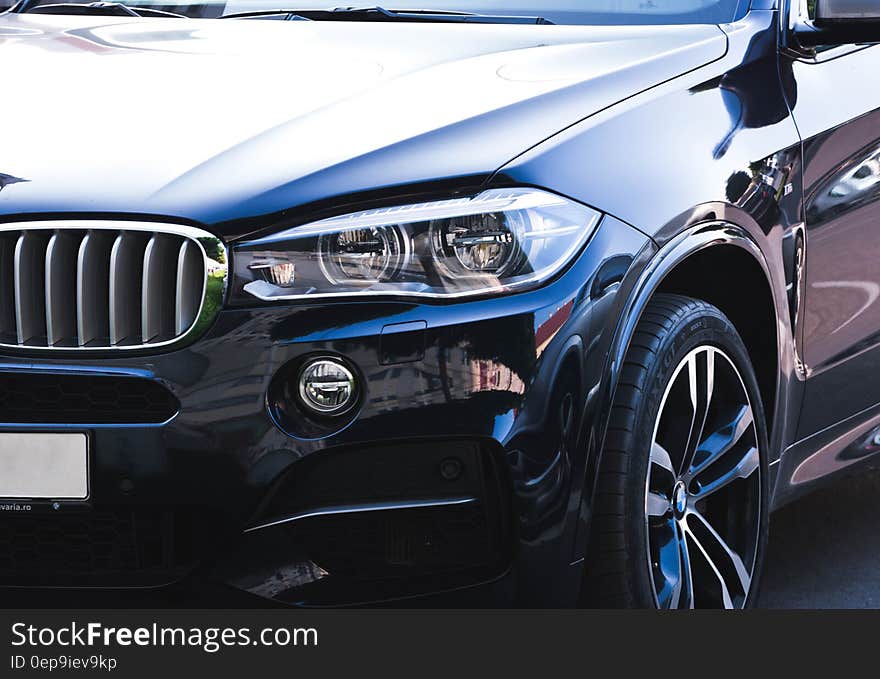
(643, 281)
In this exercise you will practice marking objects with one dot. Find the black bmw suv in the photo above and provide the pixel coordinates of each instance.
(504, 301)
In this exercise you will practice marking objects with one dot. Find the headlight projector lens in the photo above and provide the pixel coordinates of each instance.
(481, 244)
(327, 387)
(363, 256)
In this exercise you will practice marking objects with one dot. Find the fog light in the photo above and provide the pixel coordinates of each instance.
(327, 386)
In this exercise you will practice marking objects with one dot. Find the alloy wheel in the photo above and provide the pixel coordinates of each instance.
(703, 487)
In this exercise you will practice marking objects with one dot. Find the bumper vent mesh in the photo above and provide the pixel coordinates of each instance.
(107, 547)
(103, 285)
(83, 399)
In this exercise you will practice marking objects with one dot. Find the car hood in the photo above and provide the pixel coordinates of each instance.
(221, 122)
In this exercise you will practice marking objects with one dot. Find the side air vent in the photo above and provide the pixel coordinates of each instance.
(105, 285)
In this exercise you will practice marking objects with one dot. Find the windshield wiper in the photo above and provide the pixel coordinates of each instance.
(92, 8)
(382, 14)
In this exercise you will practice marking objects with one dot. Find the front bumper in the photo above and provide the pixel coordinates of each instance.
(307, 512)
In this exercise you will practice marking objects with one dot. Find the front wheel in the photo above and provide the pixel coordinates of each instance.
(681, 502)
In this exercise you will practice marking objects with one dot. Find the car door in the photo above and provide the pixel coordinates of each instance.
(836, 105)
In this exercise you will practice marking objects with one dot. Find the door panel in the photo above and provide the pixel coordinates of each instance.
(838, 114)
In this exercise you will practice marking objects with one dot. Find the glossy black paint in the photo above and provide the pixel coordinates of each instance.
(689, 139)
(842, 189)
(366, 111)
(841, 281)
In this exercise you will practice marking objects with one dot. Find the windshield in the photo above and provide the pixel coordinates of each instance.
(595, 12)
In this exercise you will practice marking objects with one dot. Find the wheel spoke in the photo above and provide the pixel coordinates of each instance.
(743, 469)
(701, 382)
(720, 442)
(714, 548)
(670, 565)
(682, 589)
(660, 458)
(657, 504)
(687, 572)
(726, 601)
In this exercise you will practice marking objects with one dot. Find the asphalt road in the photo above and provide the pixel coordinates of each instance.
(825, 548)
(824, 553)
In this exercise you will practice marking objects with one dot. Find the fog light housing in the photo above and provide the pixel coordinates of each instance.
(327, 386)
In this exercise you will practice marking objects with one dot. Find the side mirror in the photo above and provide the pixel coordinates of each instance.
(841, 22)
(831, 13)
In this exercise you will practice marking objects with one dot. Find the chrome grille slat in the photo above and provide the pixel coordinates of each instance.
(189, 288)
(126, 279)
(8, 333)
(158, 289)
(61, 255)
(30, 283)
(78, 285)
(93, 288)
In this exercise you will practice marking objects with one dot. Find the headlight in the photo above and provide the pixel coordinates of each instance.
(499, 241)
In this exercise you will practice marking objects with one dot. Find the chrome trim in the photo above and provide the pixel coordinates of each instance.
(86, 285)
(363, 508)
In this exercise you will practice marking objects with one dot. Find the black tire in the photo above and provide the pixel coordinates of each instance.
(620, 572)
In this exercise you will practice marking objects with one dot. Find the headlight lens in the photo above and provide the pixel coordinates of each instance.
(367, 256)
(499, 241)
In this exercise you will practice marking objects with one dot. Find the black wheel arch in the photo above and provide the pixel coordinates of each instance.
(647, 281)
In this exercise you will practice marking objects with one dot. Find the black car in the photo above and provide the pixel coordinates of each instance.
(475, 301)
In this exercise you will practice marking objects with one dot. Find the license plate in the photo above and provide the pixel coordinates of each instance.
(44, 466)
